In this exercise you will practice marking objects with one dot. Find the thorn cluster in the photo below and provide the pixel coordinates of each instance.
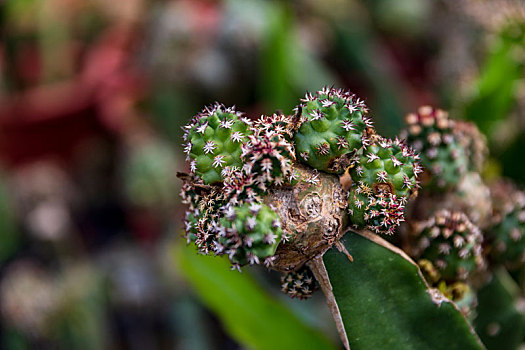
(248, 234)
(213, 140)
(332, 125)
(452, 243)
(448, 148)
(384, 176)
(508, 226)
(299, 284)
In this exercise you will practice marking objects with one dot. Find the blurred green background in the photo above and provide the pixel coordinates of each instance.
(93, 94)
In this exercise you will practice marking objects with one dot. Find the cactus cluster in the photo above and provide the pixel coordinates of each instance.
(282, 190)
(299, 284)
(250, 198)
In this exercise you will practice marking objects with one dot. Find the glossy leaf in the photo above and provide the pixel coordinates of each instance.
(385, 303)
(248, 313)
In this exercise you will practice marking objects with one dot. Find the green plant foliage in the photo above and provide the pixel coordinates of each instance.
(385, 304)
(250, 315)
(332, 125)
(284, 61)
(496, 86)
(500, 324)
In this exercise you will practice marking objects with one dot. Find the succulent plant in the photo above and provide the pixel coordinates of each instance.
(332, 128)
(383, 178)
(313, 217)
(474, 142)
(434, 135)
(297, 186)
(248, 234)
(451, 243)
(269, 156)
(381, 213)
(506, 233)
(299, 284)
(214, 140)
(202, 217)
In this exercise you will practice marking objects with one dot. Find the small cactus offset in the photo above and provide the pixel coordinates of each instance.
(432, 133)
(508, 226)
(203, 215)
(383, 178)
(451, 243)
(332, 128)
(248, 234)
(213, 141)
(269, 155)
(300, 284)
(381, 213)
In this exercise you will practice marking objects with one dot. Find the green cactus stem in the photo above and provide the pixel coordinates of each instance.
(332, 128)
(452, 243)
(383, 178)
(507, 231)
(248, 234)
(214, 140)
(434, 135)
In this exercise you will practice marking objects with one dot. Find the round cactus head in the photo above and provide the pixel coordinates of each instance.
(269, 156)
(248, 234)
(383, 177)
(381, 213)
(299, 284)
(434, 135)
(277, 123)
(452, 243)
(203, 215)
(214, 140)
(332, 128)
(387, 166)
(508, 227)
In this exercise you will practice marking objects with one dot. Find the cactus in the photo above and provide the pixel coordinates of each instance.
(269, 156)
(383, 178)
(299, 284)
(248, 234)
(258, 205)
(204, 212)
(213, 141)
(433, 134)
(451, 243)
(332, 128)
(508, 226)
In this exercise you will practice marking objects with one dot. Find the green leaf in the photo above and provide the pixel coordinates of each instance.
(385, 303)
(247, 312)
(499, 323)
